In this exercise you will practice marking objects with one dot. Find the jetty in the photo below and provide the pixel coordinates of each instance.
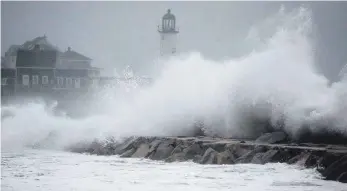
(329, 160)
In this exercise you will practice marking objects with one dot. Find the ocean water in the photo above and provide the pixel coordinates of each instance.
(35, 170)
(275, 81)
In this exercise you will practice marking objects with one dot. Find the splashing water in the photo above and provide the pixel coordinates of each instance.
(276, 82)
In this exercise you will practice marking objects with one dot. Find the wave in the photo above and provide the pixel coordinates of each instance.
(273, 87)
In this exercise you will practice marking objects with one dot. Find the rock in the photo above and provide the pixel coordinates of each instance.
(299, 159)
(219, 147)
(269, 156)
(179, 157)
(271, 138)
(328, 159)
(336, 169)
(312, 161)
(209, 157)
(154, 145)
(257, 158)
(331, 161)
(247, 158)
(125, 145)
(163, 150)
(192, 151)
(128, 153)
(342, 177)
(238, 150)
(142, 151)
(225, 157)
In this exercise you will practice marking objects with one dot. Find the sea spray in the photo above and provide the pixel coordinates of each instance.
(275, 87)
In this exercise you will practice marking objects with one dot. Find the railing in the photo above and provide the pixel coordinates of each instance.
(170, 30)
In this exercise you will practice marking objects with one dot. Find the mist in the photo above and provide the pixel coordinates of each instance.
(274, 87)
(112, 32)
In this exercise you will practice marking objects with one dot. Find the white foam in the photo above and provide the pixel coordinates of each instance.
(277, 79)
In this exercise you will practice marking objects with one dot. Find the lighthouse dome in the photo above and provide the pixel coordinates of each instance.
(169, 15)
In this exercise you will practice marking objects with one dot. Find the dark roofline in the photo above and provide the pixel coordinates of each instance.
(74, 54)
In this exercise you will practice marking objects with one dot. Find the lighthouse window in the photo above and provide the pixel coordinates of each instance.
(35, 79)
(166, 24)
(25, 80)
(170, 24)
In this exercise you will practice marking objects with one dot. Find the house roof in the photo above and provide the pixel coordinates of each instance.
(46, 45)
(42, 41)
(30, 44)
(70, 54)
(12, 51)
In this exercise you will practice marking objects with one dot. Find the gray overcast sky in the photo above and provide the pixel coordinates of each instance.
(115, 34)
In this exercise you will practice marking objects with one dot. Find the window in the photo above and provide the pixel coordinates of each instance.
(68, 82)
(95, 83)
(35, 79)
(3, 81)
(44, 79)
(25, 80)
(77, 82)
(60, 81)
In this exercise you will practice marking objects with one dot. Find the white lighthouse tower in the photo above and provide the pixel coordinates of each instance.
(168, 34)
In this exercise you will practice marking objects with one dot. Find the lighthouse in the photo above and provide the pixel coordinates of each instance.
(168, 34)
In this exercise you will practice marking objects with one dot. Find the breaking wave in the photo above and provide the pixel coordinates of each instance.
(274, 87)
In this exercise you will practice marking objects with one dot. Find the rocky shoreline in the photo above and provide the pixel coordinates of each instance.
(329, 160)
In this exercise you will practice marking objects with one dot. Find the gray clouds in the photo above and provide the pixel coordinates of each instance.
(116, 34)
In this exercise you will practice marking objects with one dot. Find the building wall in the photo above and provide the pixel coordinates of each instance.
(73, 64)
(39, 58)
(10, 61)
(35, 79)
(8, 80)
(168, 42)
(72, 78)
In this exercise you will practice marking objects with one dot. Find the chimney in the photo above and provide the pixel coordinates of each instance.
(69, 49)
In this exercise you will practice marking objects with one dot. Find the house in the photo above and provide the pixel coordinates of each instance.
(9, 60)
(8, 80)
(38, 67)
(74, 67)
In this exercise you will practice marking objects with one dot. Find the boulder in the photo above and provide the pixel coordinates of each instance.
(163, 150)
(225, 157)
(336, 169)
(342, 177)
(246, 158)
(125, 145)
(128, 153)
(238, 150)
(328, 159)
(209, 157)
(266, 157)
(184, 152)
(193, 150)
(142, 151)
(271, 138)
(154, 145)
(257, 158)
(299, 159)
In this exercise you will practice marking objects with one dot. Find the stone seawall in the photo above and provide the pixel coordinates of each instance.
(329, 160)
